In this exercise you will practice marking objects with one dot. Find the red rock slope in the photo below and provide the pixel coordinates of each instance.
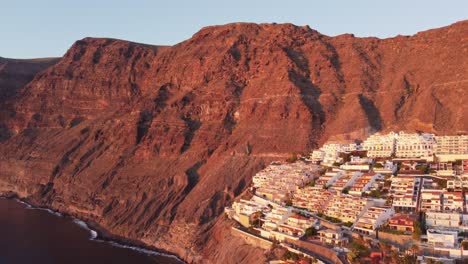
(152, 142)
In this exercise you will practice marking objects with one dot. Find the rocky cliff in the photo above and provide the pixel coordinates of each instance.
(152, 142)
(14, 74)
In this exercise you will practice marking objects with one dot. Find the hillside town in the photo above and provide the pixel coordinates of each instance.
(396, 197)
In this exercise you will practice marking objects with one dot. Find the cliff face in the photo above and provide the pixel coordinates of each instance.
(152, 142)
(14, 74)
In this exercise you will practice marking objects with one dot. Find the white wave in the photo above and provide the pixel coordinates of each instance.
(141, 250)
(94, 234)
(85, 226)
(28, 206)
(46, 209)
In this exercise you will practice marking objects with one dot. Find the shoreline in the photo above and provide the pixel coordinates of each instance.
(97, 233)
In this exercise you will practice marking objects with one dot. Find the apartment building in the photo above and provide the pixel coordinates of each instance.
(347, 208)
(272, 220)
(378, 145)
(447, 220)
(458, 183)
(364, 183)
(431, 200)
(246, 211)
(334, 237)
(405, 192)
(278, 182)
(315, 199)
(451, 148)
(402, 222)
(415, 145)
(345, 181)
(372, 219)
(329, 178)
(453, 201)
(444, 239)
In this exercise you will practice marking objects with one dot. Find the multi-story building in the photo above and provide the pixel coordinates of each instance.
(278, 182)
(246, 211)
(372, 219)
(451, 148)
(448, 220)
(431, 200)
(378, 145)
(345, 181)
(458, 183)
(317, 156)
(315, 199)
(330, 152)
(329, 178)
(402, 222)
(347, 208)
(281, 224)
(444, 239)
(415, 146)
(405, 192)
(453, 201)
(333, 237)
(364, 183)
(272, 220)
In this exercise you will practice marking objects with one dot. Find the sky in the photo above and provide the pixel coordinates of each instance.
(47, 28)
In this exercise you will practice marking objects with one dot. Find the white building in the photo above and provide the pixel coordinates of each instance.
(444, 239)
(458, 182)
(372, 219)
(415, 146)
(405, 192)
(431, 200)
(330, 152)
(329, 178)
(451, 148)
(364, 183)
(345, 181)
(333, 237)
(447, 220)
(378, 145)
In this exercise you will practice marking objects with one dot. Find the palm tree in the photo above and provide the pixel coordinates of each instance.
(414, 248)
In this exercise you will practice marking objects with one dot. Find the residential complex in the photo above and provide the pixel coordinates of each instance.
(378, 145)
(394, 183)
(415, 146)
(447, 220)
(452, 147)
(405, 192)
(315, 199)
(373, 218)
(347, 208)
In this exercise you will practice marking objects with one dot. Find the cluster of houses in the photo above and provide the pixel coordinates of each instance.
(279, 180)
(388, 182)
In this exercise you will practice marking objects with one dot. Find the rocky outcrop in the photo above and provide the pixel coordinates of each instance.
(14, 74)
(152, 142)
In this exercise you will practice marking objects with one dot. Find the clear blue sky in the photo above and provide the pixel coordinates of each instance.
(44, 28)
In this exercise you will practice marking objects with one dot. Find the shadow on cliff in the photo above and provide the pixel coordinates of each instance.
(309, 92)
(372, 112)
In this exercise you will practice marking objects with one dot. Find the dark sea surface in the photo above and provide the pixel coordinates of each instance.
(38, 236)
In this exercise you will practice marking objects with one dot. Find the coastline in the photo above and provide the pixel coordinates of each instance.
(97, 233)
